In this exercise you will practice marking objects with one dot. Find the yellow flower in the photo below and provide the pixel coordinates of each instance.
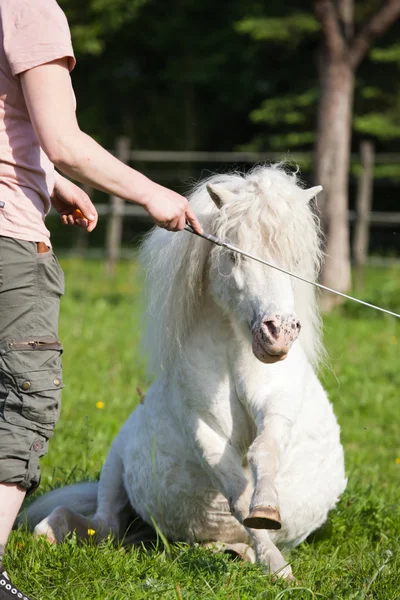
(91, 531)
(397, 461)
(99, 404)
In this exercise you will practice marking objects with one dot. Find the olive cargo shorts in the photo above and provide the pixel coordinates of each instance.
(31, 284)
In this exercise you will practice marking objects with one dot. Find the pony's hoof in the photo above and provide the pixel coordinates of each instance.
(44, 529)
(285, 574)
(263, 517)
(238, 550)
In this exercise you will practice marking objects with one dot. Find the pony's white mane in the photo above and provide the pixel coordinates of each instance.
(272, 214)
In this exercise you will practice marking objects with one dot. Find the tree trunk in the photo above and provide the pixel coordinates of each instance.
(332, 163)
(342, 53)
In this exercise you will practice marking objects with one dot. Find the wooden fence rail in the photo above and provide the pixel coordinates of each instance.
(169, 156)
(362, 218)
(383, 219)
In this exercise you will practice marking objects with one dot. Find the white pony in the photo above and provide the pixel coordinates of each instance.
(232, 445)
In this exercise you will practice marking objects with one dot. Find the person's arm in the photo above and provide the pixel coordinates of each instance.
(48, 95)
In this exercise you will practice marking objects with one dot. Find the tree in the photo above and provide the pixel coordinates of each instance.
(287, 33)
(343, 49)
(190, 76)
(177, 78)
(93, 21)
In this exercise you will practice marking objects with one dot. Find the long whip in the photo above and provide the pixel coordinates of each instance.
(215, 240)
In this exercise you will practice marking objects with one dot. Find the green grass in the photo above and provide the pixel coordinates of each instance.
(355, 557)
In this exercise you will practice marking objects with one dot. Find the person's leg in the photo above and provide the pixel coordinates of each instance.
(11, 498)
(20, 453)
(31, 284)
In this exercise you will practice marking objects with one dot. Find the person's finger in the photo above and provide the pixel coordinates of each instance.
(181, 223)
(172, 225)
(71, 219)
(87, 208)
(64, 219)
(77, 214)
(92, 224)
(89, 225)
(82, 223)
(178, 222)
(193, 220)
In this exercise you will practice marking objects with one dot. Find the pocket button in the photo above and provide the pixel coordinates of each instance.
(38, 445)
(26, 386)
(57, 381)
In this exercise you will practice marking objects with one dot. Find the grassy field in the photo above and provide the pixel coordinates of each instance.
(355, 557)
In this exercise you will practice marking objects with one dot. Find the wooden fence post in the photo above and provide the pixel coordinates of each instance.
(115, 219)
(363, 210)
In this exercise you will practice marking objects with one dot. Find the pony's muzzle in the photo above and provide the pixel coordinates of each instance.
(274, 336)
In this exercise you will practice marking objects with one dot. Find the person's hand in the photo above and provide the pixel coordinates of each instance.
(73, 204)
(168, 209)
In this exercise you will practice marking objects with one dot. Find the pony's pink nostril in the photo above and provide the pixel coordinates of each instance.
(273, 328)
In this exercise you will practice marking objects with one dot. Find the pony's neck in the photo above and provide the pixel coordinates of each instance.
(224, 343)
(217, 359)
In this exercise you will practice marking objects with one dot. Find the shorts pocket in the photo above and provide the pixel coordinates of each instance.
(51, 275)
(34, 353)
(34, 400)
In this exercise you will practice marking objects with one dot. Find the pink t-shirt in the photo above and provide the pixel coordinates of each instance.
(32, 33)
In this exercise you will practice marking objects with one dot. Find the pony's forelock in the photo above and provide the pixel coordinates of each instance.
(270, 217)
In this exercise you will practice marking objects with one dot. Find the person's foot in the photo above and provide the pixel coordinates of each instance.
(8, 590)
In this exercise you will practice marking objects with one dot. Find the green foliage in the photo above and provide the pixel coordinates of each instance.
(389, 172)
(377, 111)
(287, 34)
(356, 556)
(189, 76)
(289, 29)
(287, 110)
(390, 54)
(385, 127)
(290, 111)
(293, 139)
(370, 92)
(93, 21)
(378, 105)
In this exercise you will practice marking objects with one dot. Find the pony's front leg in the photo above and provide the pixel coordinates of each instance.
(264, 458)
(224, 465)
(269, 555)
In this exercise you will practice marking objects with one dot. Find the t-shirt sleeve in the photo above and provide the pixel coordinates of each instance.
(35, 32)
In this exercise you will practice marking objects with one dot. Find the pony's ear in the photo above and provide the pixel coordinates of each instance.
(311, 193)
(219, 194)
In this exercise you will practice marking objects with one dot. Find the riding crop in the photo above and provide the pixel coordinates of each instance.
(215, 240)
